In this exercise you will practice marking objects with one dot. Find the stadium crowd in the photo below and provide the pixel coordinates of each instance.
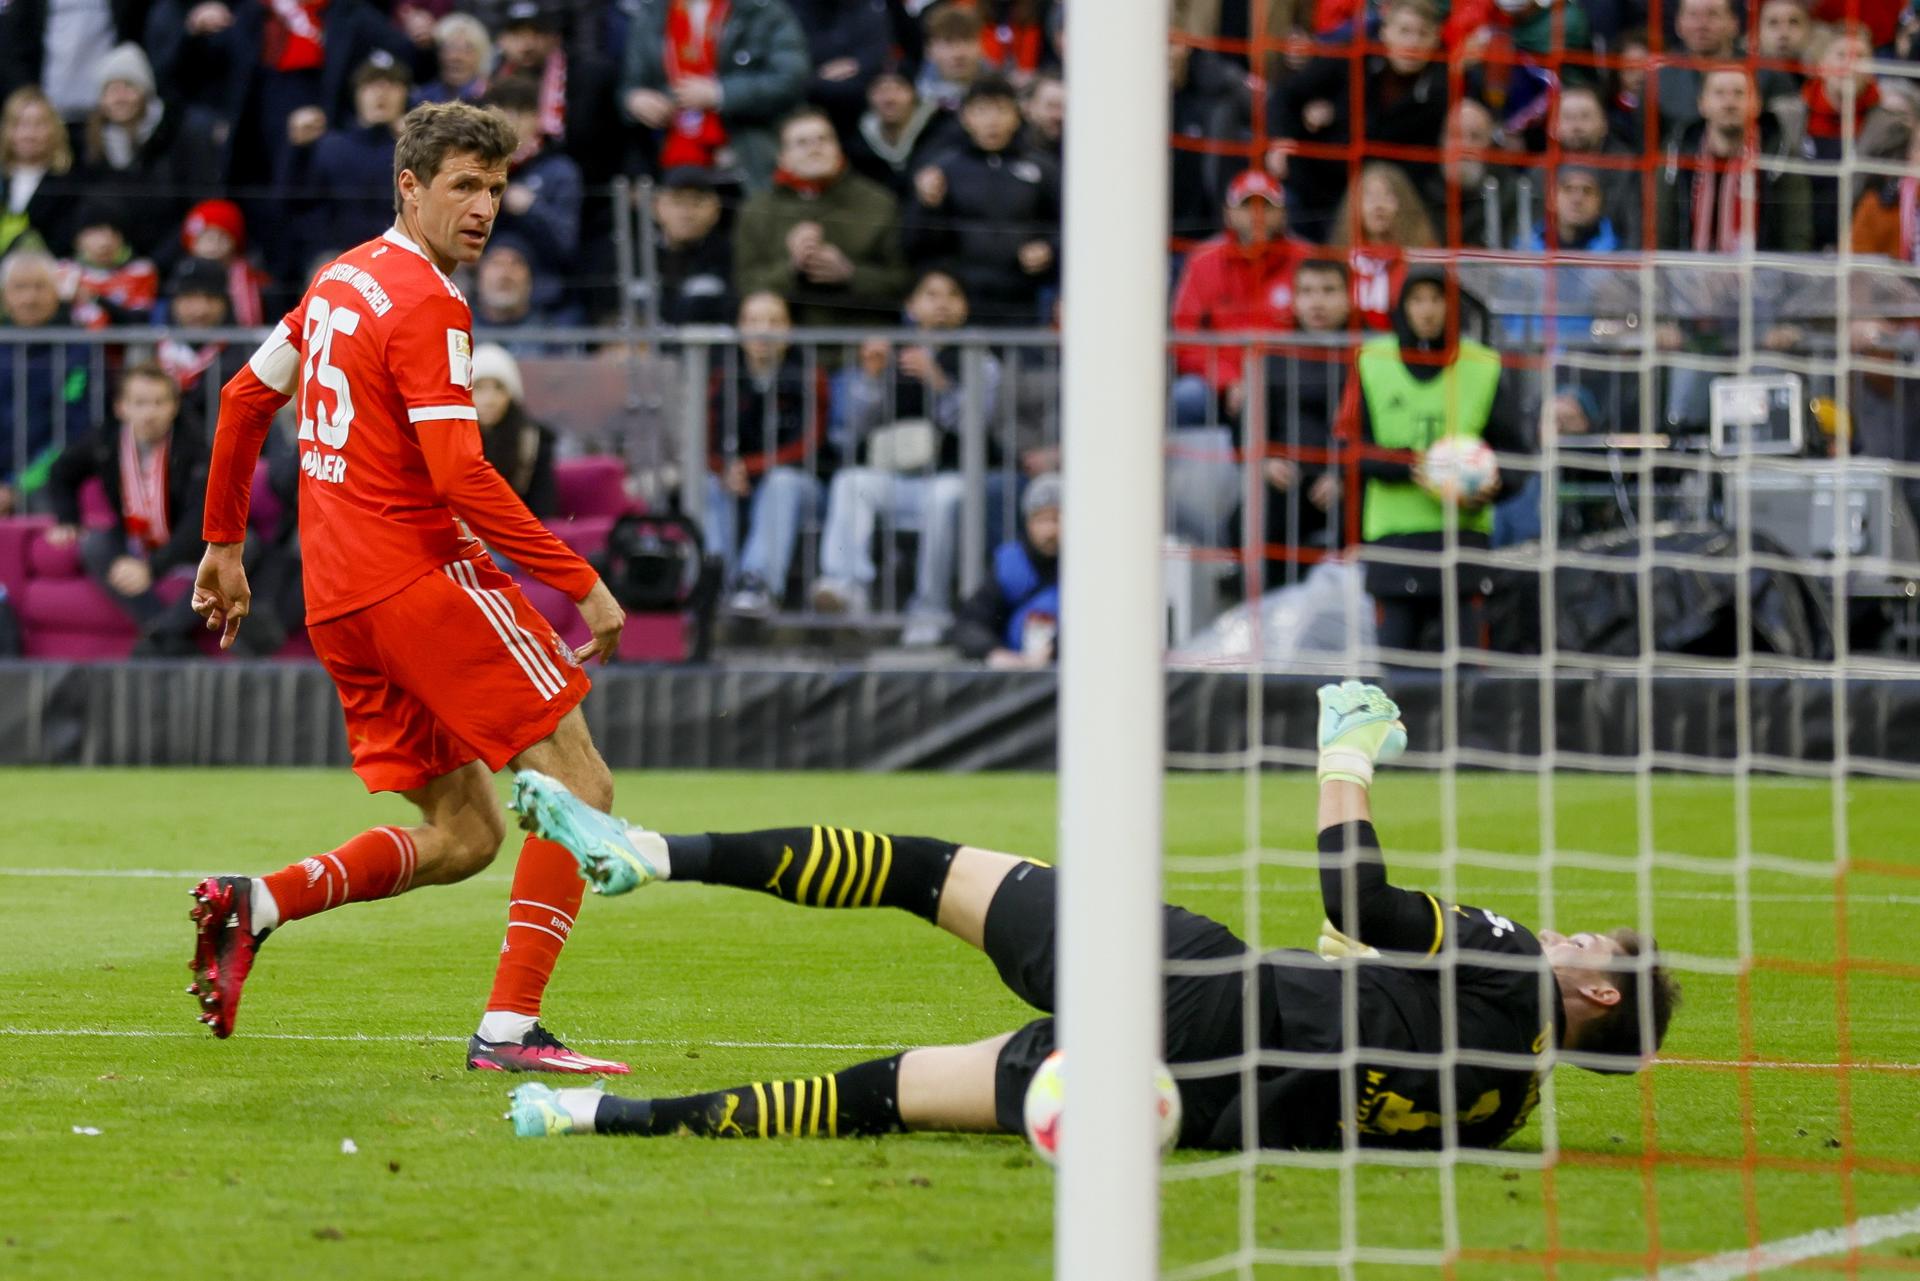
(170, 167)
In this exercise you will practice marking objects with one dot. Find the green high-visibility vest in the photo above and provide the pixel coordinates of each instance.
(1410, 414)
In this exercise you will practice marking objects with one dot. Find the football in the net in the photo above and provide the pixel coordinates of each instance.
(1047, 1092)
(1459, 466)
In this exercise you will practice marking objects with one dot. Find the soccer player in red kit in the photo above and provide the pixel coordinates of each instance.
(446, 673)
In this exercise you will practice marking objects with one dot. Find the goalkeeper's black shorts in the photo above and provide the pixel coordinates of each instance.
(1203, 1013)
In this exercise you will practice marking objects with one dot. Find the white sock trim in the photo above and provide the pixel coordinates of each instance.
(261, 903)
(505, 1025)
(653, 848)
(580, 1104)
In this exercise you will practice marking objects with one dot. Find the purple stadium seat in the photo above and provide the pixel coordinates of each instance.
(95, 511)
(591, 486)
(648, 638)
(17, 536)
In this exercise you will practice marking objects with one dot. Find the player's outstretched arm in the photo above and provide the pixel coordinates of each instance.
(1360, 726)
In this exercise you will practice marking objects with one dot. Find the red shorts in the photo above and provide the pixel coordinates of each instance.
(455, 667)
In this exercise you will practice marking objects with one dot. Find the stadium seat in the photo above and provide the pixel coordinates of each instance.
(63, 613)
(17, 535)
(648, 638)
(593, 495)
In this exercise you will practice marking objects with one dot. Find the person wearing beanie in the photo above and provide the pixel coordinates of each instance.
(1013, 619)
(139, 150)
(58, 45)
(519, 448)
(1423, 383)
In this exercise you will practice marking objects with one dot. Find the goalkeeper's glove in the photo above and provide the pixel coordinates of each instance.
(1359, 725)
(1335, 946)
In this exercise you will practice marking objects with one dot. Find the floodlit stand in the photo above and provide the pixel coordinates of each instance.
(1106, 1203)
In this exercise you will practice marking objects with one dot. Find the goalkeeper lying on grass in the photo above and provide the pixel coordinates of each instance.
(1516, 994)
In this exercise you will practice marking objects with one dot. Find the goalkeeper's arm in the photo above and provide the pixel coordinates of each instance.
(1362, 908)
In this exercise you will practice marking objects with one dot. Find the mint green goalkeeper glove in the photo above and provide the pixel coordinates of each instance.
(1359, 726)
(1335, 946)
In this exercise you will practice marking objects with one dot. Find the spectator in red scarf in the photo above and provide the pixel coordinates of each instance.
(545, 192)
(197, 299)
(216, 231)
(104, 282)
(579, 99)
(155, 478)
(1702, 207)
(1239, 281)
(1013, 38)
(712, 77)
(1840, 75)
(1379, 220)
(825, 239)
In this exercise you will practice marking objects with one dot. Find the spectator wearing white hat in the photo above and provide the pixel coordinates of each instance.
(519, 448)
(137, 149)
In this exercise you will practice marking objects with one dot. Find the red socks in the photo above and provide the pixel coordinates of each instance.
(372, 865)
(546, 897)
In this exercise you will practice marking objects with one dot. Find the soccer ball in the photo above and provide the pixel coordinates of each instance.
(1047, 1092)
(1459, 467)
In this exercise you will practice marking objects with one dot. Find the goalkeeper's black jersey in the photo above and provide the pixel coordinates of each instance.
(1511, 1011)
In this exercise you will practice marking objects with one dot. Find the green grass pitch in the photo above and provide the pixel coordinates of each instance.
(225, 1158)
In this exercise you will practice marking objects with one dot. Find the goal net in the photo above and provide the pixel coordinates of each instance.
(1666, 681)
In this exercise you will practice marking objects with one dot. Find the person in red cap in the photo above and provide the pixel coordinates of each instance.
(1238, 281)
(216, 231)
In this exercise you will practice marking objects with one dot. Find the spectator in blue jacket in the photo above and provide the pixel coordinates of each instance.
(349, 171)
(464, 55)
(544, 192)
(1013, 620)
(48, 379)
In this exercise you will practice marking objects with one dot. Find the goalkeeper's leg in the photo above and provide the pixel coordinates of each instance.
(948, 1087)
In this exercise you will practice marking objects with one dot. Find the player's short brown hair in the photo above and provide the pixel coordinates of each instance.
(433, 131)
(1618, 1031)
(151, 371)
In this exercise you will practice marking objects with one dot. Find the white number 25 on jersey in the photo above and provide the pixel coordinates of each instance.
(324, 322)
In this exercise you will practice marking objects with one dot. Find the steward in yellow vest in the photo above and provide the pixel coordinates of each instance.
(1423, 382)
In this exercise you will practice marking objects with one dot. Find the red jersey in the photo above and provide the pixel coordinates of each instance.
(378, 357)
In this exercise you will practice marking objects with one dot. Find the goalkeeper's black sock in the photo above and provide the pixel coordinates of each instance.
(1358, 834)
(860, 1100)
(820, 866)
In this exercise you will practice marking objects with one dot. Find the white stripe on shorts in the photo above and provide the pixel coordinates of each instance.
(504, 609)
(525, 652)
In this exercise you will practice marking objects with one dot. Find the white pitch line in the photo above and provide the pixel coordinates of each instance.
(1770, 1256)
(350, 1038)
